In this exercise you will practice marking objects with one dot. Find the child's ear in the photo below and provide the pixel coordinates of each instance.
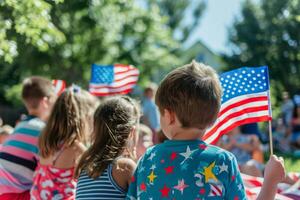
(134, 135)
(170, 116)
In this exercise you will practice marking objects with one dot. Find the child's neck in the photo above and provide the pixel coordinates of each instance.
(187, 134)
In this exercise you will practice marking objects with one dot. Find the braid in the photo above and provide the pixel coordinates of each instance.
(113, 122)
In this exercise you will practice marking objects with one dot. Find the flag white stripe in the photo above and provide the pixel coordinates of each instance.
(238, 109)
(115, 84)
(123, 68)
(58, 86)
(243, 97)
(235, 119)
(109, 90)
(124, 75)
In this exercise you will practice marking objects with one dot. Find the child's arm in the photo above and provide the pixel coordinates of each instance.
(274, 173)
(123, 171)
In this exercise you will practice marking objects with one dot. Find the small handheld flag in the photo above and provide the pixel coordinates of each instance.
(59, 85)
(245, 100)
(112, 79)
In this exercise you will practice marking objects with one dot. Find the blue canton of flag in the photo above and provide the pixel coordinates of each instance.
(102, 74)
(112, 79)
(244, 81)
(245, 100)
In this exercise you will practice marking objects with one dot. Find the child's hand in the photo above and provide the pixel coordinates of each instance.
(274, 171)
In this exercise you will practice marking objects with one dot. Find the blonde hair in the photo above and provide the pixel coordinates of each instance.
(66, 123)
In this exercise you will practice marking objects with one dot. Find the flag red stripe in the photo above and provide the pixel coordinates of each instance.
(110, 93)
(241, 102)
(232, 115)
(238, 123)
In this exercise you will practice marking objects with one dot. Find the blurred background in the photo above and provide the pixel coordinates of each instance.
(60, 39)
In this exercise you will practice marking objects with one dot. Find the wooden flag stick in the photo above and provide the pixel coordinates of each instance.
(271, 137)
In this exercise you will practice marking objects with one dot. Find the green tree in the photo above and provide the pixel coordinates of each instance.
(178, 12)
(268, 34)
(95, 31)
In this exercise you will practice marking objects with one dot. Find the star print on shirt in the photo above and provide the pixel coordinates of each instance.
(151, 177)
(181, 186)
(152, 155)
(169, 169)
(208, 173)
(153, 167)
(143, 187)
(223, 168)
(187, 154)
(173, 155)
(165, 191)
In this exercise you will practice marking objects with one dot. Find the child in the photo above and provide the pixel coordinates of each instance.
(104, 172)
(61, 145)
(5, 131)
(185, 167)
(18, 155)
(243, 147)
(145, 139)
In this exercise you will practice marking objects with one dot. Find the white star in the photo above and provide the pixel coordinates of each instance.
(223, 168)
(253, 71)
(263, 78)
(258, 75)
(248, 75)
(152, 155)
(243, 72)
(187, 154)
(142, 169)
(240, 186)
(226, 96)
(261, 87)
(153, 167)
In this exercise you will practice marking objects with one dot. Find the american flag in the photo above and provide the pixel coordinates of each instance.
(112, 79)
(59, 85)
(245, 100)
(285, 191)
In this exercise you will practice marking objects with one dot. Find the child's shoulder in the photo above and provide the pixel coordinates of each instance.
(219, 153)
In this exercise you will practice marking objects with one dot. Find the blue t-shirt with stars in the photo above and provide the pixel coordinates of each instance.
(178, 169)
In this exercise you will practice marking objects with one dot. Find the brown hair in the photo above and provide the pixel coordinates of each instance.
(113, 123)
(193, 92)
(66, 123)
(34, 89)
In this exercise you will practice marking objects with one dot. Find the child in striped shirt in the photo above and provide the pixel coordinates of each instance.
(18, 155)
(106, 168)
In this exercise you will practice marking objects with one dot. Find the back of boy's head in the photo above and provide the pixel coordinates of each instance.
(114, 120)
(34, 89)
(193, 92)
(66, 123)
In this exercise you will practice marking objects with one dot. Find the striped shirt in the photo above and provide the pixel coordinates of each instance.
(103, 187)
(19, 155)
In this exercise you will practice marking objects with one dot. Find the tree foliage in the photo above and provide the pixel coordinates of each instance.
(268, 34)
(62, 39)
(178, 12)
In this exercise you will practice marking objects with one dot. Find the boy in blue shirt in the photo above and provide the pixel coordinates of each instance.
(185, 167)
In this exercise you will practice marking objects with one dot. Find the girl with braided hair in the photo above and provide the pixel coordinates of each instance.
(61, 144)
(106, 168)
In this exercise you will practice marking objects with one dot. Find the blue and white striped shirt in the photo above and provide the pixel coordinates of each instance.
(104, 187)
